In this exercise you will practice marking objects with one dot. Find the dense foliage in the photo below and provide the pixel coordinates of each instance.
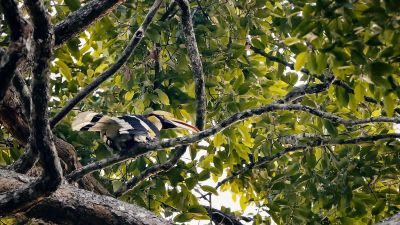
(253, 53)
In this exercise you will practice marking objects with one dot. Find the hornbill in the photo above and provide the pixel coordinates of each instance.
(122, 132)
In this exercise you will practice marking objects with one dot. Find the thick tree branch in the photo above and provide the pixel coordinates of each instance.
(190, 139)
(137, 37)
(195, 62)
(17, 49)
(41, 139)
(79, 20)
(71, 205)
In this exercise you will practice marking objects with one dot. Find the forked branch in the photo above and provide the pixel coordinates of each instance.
(41, 138)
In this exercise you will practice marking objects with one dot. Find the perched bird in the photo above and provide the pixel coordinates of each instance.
(122, 132)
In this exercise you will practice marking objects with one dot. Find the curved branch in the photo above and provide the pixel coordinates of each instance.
(137, 37)
(141, 149)
(41, 138)
(151, 171)
(20, 32)
(80, 19)
(307, 145)
(195, 62)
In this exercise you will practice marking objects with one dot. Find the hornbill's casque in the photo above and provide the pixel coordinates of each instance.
(122, 132)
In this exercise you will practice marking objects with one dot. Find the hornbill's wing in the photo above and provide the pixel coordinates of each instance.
(112, 126)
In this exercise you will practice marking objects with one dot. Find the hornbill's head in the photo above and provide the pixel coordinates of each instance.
(166, 120)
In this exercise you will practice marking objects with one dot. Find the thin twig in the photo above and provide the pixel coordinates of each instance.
(307, 145)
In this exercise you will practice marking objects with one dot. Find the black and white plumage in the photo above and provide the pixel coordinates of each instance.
(122, 132)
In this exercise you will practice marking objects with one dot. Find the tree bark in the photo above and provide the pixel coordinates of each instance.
(13, 118)
(71, 205)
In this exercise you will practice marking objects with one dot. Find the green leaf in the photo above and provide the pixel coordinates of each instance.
(359, 92)
(191, 182)
(64, 70)
(300, 60)
(342, 96)
(73, 4)
(379, 68)
(102, 152)
(210, 189)
(129, 95)
(379, 207)
(330, 128)
(204, 175)
(197, 209)
(389, 104)
(183, 217)
(291, 41)
(219, 139)
(162, 96)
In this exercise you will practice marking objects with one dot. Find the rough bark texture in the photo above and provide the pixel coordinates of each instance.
(79, 20)
(20, 33)
(195, 61)
(394, 220)
(70, 205)
(14, 120)
(41, 137)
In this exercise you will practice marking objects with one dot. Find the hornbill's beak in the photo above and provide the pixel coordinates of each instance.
(169, 122)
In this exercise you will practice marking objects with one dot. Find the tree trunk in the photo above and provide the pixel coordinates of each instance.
(71, 205)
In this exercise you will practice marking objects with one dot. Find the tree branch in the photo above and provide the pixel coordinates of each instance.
(338, 83)
(220, 217)
(141, 149)
(311, 144)
(195, 62)
(41, 139)
(80, 19)
(137, 37)
(23, 89)
(71, 205)
(277, 59)
(393, 220)
(20, 33)
(15, 121)
(151, 171)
